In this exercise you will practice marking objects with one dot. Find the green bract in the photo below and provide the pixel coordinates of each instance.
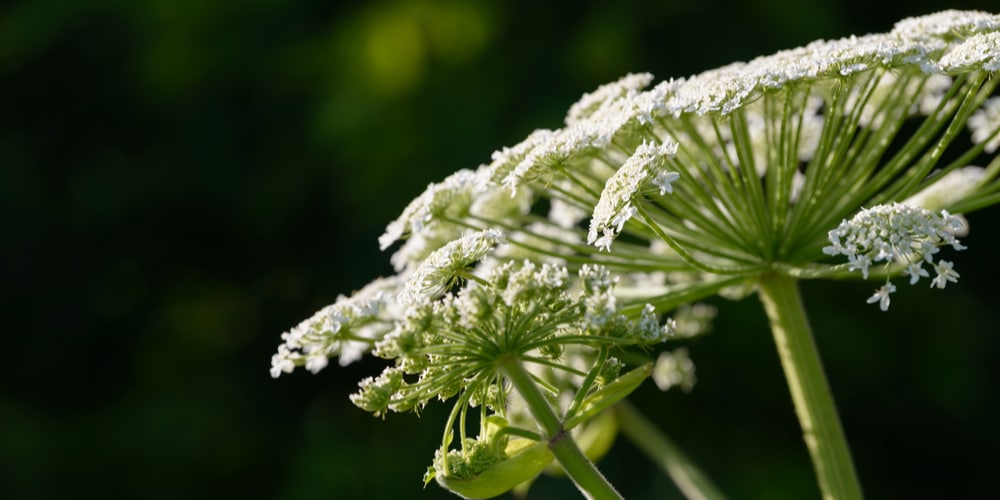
(490, 465)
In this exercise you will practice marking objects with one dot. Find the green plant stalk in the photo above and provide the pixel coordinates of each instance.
(690, 480)
(580, 469)
(814, 404)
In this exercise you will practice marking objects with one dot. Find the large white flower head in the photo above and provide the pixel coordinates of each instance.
(732, 181)
(737, 170)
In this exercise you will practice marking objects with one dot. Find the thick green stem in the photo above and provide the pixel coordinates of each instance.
(814, 404)
(692, 482)
(584, 473)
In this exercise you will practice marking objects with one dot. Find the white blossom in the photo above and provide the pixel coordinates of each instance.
(984, 124)
(615, 207)
(944, 24)
(592, 101)
(674, 369)
(338, 329)
(980, 52)
(945, 274)
(445, 265)
(882, 296)
(896, 233)
(916, 271)
(455, 193)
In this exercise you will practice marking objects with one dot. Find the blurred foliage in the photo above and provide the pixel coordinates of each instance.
(182, 180)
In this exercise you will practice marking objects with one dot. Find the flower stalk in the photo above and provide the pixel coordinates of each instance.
(582, 471)
(814, 405)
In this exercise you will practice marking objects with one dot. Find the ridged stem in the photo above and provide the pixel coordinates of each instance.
(580, 469)
(807, 382)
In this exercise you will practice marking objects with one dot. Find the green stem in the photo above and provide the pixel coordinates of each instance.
(692, 482)
(588, 479)
(814, 404)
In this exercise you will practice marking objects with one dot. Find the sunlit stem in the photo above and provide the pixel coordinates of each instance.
(581, 470)
(811, 395)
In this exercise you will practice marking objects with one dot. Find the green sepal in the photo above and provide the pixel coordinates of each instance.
(608, 395)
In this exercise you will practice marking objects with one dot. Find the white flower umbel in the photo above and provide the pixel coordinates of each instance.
(455, 193)
(446, 266)
(674, 369)
(616, 206)
(628, 85)
(474, 345)
(346, 328)
(741, 171)
(896, 233)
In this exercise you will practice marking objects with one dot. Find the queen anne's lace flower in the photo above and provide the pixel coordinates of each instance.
(783, 136)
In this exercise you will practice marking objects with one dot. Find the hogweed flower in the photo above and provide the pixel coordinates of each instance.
(747, 177)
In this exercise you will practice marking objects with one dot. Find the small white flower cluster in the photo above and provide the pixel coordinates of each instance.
(897, 233)
(592, 101)
(674, 369)
(601, 305)
(446, 265)
(602, 311)
(981, 52)
(985, 125)
(457, 191)
(616, 207)
(649, 328)
(345, 328)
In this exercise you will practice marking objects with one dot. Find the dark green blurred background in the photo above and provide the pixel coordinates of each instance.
(181, 181)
